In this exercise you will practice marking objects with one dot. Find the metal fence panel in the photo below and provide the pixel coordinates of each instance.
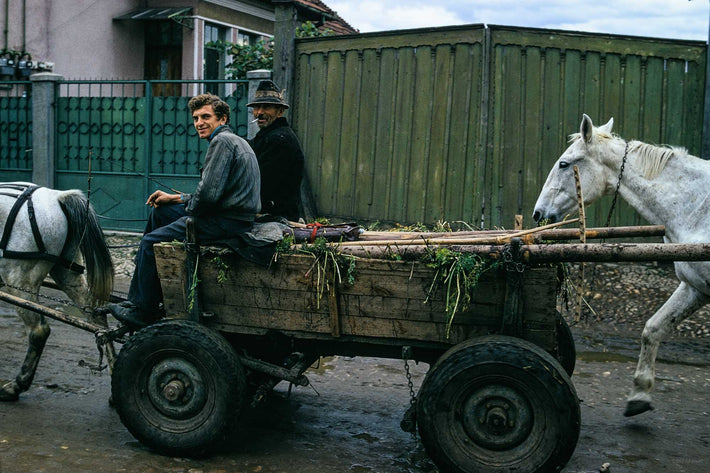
(130, 142)
(16, 131)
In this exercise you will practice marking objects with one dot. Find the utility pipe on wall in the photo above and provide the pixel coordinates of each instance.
(7, 18)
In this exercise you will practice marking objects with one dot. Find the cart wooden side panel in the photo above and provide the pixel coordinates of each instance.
(388, 299)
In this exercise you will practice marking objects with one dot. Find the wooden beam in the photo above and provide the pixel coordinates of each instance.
(553, 234)
(549, 253)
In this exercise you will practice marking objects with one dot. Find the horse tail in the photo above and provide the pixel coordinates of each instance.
(85, 232)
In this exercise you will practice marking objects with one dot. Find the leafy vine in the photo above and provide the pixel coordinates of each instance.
(458, 274)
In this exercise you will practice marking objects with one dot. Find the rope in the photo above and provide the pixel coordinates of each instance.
(315, 226)
(122, 219)
(113, 219)
(132, 245)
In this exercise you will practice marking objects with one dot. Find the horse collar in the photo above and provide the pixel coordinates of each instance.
(618, 184)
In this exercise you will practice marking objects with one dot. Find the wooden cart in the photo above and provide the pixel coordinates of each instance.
(497, 398)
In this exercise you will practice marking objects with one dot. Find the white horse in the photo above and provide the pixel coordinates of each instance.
(46, 231)
(667, 186)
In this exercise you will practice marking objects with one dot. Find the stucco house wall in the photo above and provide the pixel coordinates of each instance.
(85, 39)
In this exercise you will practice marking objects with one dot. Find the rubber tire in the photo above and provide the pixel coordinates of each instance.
(186, 355)
(566, 351)
(484, 380)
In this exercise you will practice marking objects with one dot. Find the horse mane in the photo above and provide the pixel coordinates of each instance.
(652, 159)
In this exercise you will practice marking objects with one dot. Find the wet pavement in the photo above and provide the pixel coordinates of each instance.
(349, 420)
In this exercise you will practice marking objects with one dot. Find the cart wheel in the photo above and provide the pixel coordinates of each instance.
(566, 351)
(178, 387)
(498, 404)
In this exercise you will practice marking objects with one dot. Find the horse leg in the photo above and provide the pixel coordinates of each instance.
(683, 302)
(75, 286)
(39, 332)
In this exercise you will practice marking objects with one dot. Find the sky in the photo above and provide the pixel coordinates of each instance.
(676, 19)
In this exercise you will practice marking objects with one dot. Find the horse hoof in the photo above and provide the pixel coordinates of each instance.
(637, 407)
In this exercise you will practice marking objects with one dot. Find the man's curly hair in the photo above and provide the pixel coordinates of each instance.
(220, 107)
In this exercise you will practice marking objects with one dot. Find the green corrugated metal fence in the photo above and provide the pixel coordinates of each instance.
(463, 123)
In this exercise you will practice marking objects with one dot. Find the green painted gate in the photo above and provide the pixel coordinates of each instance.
(120, 141)
(464, 123)
(16, 131)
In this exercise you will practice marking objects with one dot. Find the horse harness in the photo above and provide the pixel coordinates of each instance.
(25, 196)
(618, 184)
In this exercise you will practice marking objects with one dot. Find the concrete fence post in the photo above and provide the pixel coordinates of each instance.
(254, 77)
(44, 93)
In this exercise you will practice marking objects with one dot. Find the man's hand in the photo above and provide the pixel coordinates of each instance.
(159, 198)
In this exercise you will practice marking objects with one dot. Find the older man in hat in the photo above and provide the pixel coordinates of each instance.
(279, 153)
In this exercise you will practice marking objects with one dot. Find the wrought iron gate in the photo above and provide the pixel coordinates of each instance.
(16, 131)
(130, 142)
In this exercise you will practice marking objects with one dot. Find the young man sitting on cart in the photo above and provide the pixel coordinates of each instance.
(224, 204)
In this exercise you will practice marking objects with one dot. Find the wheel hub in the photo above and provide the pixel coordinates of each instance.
(497, 417)
(176, 388)
(497, 420)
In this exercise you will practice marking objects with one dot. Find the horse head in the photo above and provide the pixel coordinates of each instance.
(587, 151)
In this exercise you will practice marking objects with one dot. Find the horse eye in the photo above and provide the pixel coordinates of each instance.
(564, 164)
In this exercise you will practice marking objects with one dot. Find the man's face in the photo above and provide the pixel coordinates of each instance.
(206, 121)
(267, 113)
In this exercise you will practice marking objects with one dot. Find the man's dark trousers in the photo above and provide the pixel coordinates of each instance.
(167, 223)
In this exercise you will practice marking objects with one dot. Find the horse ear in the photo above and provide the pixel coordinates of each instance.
(586, 128)
(607, 128)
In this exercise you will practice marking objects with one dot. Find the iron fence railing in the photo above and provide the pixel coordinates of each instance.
(132, 137)
(16, 129)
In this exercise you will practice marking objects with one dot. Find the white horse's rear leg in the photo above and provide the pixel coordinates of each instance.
(38, 334)
(682, 303)
(75, 286)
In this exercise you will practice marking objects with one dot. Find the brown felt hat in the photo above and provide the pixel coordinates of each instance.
(268, 93)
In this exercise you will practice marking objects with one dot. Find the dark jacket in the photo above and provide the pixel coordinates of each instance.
(229, 186)
(281, 165)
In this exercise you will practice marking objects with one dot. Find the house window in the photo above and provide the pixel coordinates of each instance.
(214, 64)
(246, 38)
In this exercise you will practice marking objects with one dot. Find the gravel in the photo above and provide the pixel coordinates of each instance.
(619, 296)
(625, 295)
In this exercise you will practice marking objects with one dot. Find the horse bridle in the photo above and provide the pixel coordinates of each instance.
(618, 185)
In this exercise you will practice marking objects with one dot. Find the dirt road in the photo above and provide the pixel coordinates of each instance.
(351, 424)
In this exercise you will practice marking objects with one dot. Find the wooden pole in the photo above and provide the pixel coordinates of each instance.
(51, 313)
(552, 234)
(548, 253)
(603, 232)
(463, 241)
(582, 239)
(616, 252)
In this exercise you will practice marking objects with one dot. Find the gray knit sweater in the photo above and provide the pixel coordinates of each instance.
(230, 185)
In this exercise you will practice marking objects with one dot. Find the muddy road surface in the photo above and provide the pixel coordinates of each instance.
(350, 422)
